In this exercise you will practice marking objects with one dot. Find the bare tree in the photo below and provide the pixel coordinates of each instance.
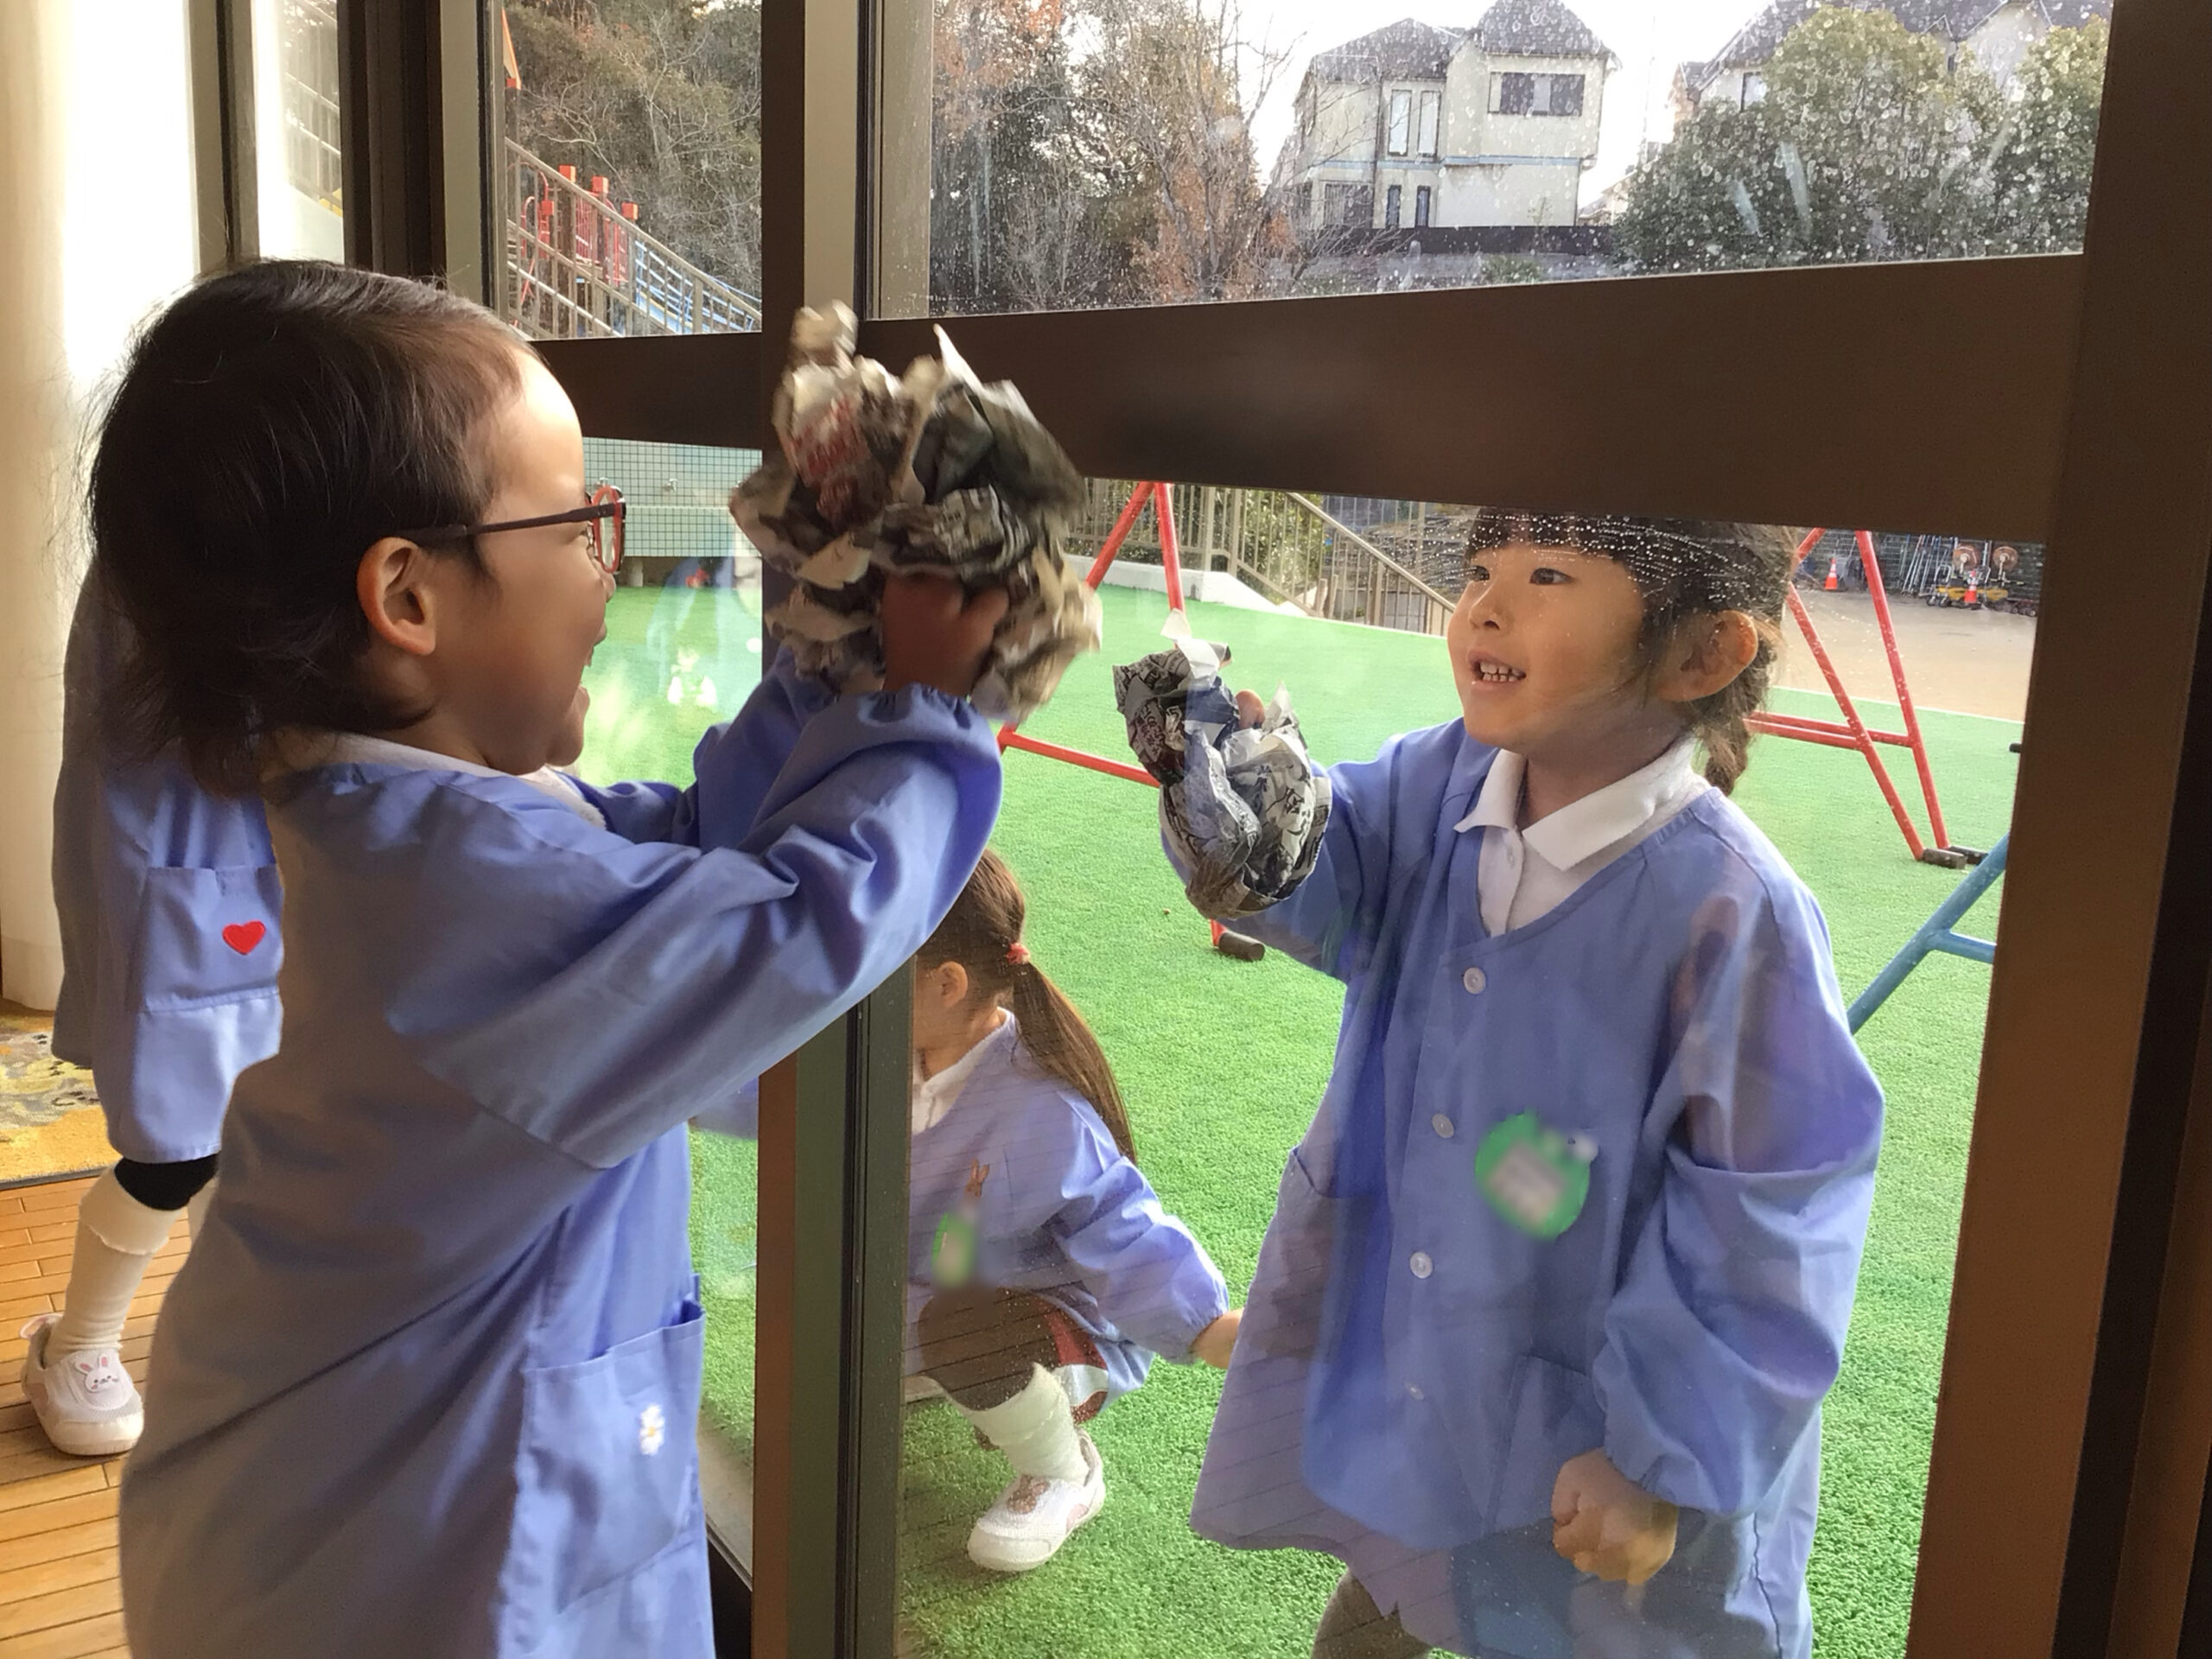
(1170, 87)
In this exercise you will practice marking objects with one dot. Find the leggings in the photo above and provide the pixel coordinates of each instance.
(982, 1346)
(165, 1186)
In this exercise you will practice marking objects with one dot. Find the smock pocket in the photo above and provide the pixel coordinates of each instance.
(1555, 1417)
(207, 935)
(606, 1475)
(1290, 1282)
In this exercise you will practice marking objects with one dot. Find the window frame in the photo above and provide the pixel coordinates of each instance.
(1398, 121)
(2062, 1407)
(1428, 138)
(1424, 205)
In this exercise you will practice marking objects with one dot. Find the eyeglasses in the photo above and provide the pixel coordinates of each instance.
(603, 518)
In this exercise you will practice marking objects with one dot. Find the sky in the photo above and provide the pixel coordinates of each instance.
(1649, 37)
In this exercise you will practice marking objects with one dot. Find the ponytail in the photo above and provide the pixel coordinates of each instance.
(1060, 1040)
(982, 933)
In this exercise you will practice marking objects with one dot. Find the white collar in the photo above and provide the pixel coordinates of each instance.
(935, 1097)
(354, 748)
(1585, 828)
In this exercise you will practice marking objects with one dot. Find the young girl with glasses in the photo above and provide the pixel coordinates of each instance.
(426, 1384)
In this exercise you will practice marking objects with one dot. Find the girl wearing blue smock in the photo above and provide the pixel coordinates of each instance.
(1043, 1275)
(1557, 1279)
(426, 1384)
(168, 900)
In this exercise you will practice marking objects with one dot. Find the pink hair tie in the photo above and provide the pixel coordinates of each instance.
(1018, 954)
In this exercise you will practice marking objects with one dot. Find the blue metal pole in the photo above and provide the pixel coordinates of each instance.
(1935, 934)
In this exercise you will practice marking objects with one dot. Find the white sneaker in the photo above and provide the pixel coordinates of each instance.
(1035, 1516)
(85, 1402)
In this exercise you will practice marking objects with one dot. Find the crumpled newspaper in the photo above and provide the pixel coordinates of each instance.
(1239, 800)
(931, 470)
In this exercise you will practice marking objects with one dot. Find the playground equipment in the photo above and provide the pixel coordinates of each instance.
(1939, 932)
(1851, 732)
(1162, 502)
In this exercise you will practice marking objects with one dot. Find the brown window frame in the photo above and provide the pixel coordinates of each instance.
(2074, 1424)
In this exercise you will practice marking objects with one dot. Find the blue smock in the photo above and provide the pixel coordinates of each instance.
(427, 1384)
(1058, 1211)
(1413, 1367)
(169, 902)
(1055, 1208)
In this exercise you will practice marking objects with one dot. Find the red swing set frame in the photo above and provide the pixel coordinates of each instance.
(1853, 732)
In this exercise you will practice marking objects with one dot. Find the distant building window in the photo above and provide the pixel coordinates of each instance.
(1431, 116)
(1391, 199)
(1754, 88)
(1347, 204)
(1306, 201)
(1513, 93)
(1402, 122)
(1420, 206)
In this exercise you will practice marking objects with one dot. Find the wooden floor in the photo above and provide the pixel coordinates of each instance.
(58, 1595)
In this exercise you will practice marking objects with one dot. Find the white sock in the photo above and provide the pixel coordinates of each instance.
(1035, 1429)
(116, 1236)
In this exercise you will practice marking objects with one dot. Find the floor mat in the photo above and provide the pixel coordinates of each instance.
(50, 1121)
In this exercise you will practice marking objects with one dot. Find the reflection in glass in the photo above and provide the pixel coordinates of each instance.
(1133, 152)
(299, 187)
(630, 167)
(1220, 1063)
(682, 650)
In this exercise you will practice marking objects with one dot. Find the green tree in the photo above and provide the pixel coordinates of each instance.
(2040, 178)
(1869, 145)
(662, 98)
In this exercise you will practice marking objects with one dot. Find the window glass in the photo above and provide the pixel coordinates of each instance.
(629, 157)
(1135, 152)
(682, 651)
(1421, 205)
(1621, 1216)
(299, 186)
(1390, 207)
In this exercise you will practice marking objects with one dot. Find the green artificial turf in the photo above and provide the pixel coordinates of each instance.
(1180, 1023)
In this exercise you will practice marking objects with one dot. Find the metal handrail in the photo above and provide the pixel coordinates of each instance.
(1370, 549)
(577, 267)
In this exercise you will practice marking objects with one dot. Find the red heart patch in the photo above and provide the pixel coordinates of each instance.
(242, 937)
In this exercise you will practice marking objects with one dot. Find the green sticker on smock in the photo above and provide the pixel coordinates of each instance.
(1534, 1177)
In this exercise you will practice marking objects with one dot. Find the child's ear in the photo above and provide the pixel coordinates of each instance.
(393, 584)
(1708, 653)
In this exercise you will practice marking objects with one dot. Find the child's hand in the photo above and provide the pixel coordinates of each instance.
(1607, 1525)
(936, 634)
(1218, 1340)
(1251, 711)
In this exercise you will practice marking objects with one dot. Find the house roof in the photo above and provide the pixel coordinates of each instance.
(1405, 50)
(1954, 20)
(1537, 29)
(1411, 50)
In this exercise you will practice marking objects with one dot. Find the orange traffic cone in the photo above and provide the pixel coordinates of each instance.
(1830, 584)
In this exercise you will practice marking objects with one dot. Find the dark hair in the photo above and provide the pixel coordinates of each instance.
(269, 428)
(982, 933)
(1683, 567)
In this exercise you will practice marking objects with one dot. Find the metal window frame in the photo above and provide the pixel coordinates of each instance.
(2054, 1521)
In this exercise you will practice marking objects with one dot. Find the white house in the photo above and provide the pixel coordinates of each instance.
(1415, 124)
(1996, 34)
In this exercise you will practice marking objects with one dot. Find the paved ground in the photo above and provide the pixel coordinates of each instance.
(1968, 662)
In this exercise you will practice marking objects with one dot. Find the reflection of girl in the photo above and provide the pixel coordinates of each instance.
(1560, 1274)
(718, 678)
(1044, 1275)
(168, 903)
